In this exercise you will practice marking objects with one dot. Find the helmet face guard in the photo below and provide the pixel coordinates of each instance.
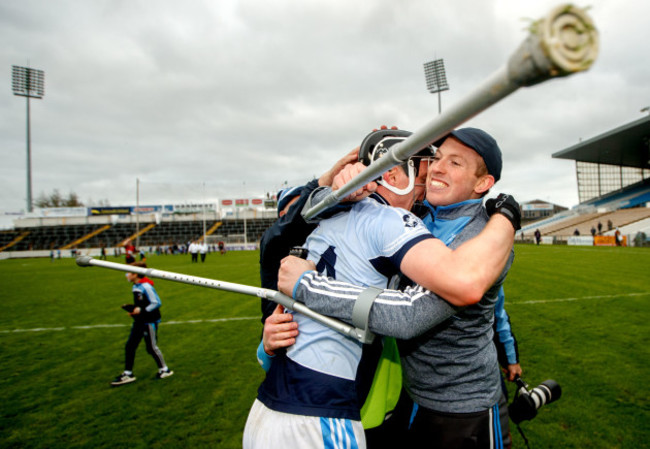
(378, 143)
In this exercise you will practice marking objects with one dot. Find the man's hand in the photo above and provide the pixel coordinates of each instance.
(506, 206)
(291, 267)
(136, 311)
(280, 331)
(513, 371)
(327, 178)
(346, 175)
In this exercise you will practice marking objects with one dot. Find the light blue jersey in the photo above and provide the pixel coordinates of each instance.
(318, 375)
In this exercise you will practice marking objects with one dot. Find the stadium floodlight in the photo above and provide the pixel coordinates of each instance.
(28, 83)
(434, 72)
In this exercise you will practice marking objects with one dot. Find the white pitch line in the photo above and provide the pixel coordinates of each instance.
(38, 329)
(221, 320)
(97, 326)
(100, 326)
(541, 301)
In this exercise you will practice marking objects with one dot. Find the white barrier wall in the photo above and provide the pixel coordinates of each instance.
(581, 240)
(547, 240)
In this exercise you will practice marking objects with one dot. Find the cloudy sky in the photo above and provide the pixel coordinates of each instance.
(225, 99)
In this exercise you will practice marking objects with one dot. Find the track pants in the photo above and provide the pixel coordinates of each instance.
(148, 331)
(480, 430)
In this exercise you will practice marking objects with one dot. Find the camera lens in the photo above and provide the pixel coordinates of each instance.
(525, 406)
(547, 392)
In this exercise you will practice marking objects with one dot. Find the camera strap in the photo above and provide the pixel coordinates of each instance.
(521, 432)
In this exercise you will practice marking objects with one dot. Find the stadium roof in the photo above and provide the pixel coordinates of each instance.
(628, 145)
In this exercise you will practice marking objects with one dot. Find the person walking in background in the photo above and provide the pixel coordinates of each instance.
(145, 312)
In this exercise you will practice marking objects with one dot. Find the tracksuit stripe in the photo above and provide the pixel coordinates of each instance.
(497, 438)
(338, 434)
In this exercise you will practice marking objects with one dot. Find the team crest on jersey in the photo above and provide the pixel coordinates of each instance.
(409, 221)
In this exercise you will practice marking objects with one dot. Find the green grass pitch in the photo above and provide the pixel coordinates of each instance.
(580, 315)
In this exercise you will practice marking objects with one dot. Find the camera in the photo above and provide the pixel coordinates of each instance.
(527, 401)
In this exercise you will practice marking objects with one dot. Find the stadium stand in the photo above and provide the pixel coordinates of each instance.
(633, 196)
(613, 171)
(584, 222)
(9, 238)
(75, 236)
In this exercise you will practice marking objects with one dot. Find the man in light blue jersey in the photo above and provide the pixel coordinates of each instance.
(448, 358)
(314, 385)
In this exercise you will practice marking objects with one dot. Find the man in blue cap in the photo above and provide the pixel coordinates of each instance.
(448, 358)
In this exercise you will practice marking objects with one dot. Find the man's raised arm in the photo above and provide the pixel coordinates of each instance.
(393, 313)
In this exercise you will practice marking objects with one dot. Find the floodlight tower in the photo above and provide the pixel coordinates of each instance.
(28, 83)
(434, 72)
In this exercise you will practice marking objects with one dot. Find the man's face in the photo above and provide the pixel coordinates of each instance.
(421, 180)
(131, 277)
(402, 181)
(452, 175)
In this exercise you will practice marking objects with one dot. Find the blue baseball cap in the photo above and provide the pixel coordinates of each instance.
(286, 195)
(484, 144)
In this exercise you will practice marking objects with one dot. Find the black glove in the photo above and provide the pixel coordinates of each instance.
(506, 206)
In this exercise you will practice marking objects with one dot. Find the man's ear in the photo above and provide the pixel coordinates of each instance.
(390, 176)
(484, 184)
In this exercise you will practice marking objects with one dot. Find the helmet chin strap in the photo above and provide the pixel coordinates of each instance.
(408, 189)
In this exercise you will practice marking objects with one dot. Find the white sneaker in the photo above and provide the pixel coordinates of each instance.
(163, 374)
(123, 379)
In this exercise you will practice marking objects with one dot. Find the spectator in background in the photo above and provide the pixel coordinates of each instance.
(129, 251)
(618, 237)
(593, 231)
(193, 249)
(538, 236)
(576, 232)
(600, 228)
(203, 250)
